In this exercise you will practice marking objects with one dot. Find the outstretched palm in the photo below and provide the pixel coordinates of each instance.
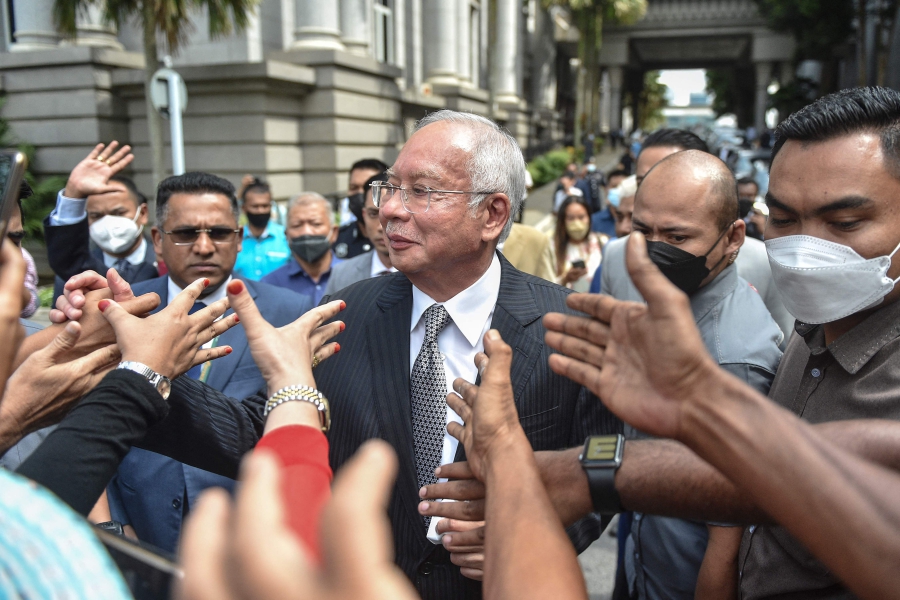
(91, 176)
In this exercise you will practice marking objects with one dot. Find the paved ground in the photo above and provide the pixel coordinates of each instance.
(599, 565)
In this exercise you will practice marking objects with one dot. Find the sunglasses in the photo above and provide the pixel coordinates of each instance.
(186, 237)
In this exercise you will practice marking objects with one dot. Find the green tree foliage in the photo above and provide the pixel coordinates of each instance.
(172, 18)
(818, 26)
(589, 16)
(652, 102)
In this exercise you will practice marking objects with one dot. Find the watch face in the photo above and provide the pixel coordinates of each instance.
(601, 448)
(165, 387)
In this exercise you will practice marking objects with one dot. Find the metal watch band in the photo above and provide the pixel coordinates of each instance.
(302, 393)
(162, 383)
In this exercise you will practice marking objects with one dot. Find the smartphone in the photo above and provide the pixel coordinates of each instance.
(148, 571)
(578, 264)
(12, 169)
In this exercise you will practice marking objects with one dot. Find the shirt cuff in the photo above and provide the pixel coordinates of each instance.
(68, 211)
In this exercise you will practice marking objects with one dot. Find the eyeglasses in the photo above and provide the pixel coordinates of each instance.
(415, 200)
(186, 237)
(16, 237)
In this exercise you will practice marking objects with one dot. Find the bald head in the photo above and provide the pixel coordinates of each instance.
(701, 171)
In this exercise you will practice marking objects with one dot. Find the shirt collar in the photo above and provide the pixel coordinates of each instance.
(470, 308)
(704, 299)
(856, 347)
(220, 293)
(265, 234)
(137, 257)
(378, 267)
(294, 267)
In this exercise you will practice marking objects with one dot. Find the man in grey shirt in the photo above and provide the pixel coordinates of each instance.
(687, 209)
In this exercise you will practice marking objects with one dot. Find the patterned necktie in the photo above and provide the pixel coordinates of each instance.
(195, 371)
(428, 399)
(124, 268)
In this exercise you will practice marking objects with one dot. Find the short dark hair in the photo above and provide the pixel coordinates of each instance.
(25, 191)
(358, 201)
(748, 181)
(560, 235)
(257, 186)
(855, 110)
(136, 194)
(674, 138)
(370, 164)
(617, 173)
(192, 183)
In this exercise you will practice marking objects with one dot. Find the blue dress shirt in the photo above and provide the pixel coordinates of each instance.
(293, 277)
(604, 222)
(260, 256)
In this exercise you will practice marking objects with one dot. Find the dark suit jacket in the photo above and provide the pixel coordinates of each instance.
(152, 492)
(368, 386)
(69, 253)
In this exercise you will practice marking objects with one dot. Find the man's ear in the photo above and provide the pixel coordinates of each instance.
(156, 236)
(332, 237)
(736, 237)
(143, 211)
(497, 213)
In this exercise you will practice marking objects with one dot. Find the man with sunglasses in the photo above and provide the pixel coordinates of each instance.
(197, 235)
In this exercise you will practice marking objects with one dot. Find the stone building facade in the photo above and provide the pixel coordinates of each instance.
(307, 89)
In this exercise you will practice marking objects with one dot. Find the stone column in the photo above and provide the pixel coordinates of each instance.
(509, 15)
(34, 26)
(92, 31)
(763, 79)
(615, 97)
(463, 42)
(356, 26)
(439, 25)
(318, 26)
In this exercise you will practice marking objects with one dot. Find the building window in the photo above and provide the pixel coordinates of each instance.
(384, 31)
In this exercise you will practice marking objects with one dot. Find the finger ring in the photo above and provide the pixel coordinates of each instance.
(101, 159)
(315, 361)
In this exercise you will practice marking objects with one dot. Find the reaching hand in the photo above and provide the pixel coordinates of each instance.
(91, 176)
(247, 551)
(69, 306)
(12, 278)
(169, 342)
(488, 411)
(45, 387)
(654, 356)
(285, 355)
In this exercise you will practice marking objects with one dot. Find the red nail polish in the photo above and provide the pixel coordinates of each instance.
(103, 305)
(343, 305)
(205, 282)
(343, 326)
(237, 319)
(228, 350)
(337, 348)
(235, 287)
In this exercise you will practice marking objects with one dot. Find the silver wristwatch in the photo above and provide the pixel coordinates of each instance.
(162, 383)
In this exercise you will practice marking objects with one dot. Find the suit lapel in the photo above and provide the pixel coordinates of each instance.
(222, 369)
(160, 285)
(387, 338)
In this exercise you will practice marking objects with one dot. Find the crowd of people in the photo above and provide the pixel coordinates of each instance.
(199, 386)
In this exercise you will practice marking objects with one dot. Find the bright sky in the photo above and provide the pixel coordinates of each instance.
(682, 83)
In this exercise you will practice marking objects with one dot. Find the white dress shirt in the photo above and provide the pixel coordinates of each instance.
(378, 267)
(471, 312)
(217, 295)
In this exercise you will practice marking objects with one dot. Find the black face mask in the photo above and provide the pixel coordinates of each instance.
(310, 248)
(744, 207)
(682, 268)
(259, 220)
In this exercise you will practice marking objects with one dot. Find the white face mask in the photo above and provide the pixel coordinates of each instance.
(115, 235)
(822, 282)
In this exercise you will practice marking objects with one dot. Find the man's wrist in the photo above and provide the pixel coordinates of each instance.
(566, 483)
(703, 410)
(506, 450)
(72, 192)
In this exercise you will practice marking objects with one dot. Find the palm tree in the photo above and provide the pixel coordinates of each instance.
(588, 17)
(172, 18)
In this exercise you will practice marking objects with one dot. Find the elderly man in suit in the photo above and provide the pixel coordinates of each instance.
(197, 236)
(408, 335)
(100, 205)
(369, 264)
